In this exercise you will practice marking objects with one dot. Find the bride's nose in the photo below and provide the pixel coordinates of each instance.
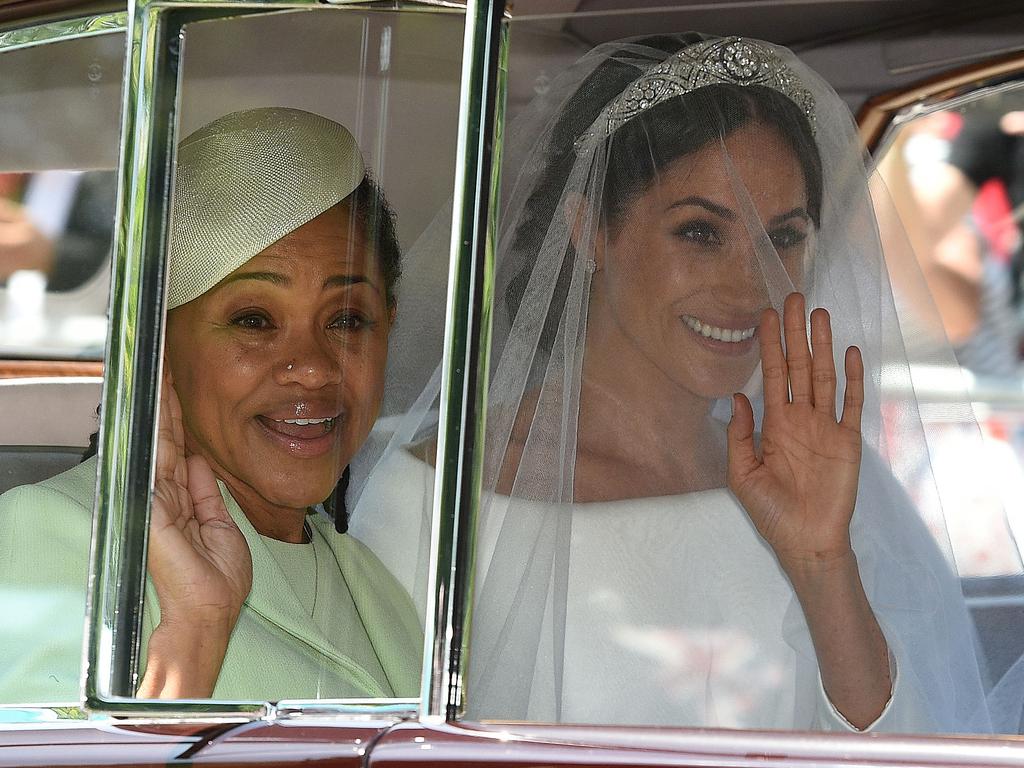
(755, 273)
(744, 278)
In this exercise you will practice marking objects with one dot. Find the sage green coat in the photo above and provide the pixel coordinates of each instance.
(276, 650)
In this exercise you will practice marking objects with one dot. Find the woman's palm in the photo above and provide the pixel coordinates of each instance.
(198, 558)
(801, 490)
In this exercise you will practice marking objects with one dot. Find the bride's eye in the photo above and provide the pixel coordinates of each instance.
(699, 232)
(787, 237)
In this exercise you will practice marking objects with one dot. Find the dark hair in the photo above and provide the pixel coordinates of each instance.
(641, 148)
(373, 212)
(655, 138)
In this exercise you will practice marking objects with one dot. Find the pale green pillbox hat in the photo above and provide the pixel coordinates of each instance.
(245, 181)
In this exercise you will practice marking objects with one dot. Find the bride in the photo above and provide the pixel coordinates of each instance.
(680, 525)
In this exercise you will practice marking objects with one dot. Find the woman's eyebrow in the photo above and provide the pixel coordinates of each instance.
(796, 213)
(283, 280)
(702, 202)
(345, 280)
(270, 277)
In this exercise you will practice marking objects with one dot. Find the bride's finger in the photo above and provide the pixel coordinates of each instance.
(741, 454)
(823, 367)
(798, 356)
(773, 361)
(853, 400)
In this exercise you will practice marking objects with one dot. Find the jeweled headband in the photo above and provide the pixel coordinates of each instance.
(731, 60)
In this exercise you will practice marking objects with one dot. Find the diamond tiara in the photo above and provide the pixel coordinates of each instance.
(726, 60)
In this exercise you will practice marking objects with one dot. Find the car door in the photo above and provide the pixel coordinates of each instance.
(392, 75)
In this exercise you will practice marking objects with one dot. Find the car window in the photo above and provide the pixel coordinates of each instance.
(626, 573)
(304, 317)
(953, 174)
(59, 106)
(57, 190)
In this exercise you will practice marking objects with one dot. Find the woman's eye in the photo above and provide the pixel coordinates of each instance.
(253, 321)
(787, 237)
(700, 232)
(350, 321)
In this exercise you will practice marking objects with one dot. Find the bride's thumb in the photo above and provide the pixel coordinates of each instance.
(740, 434)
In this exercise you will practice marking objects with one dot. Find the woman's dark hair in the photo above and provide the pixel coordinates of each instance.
(644, 146)
(373, 212)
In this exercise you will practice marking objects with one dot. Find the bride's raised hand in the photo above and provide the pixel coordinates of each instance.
(199, 562)
(800, 488)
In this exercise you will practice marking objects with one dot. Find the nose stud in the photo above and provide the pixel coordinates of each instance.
(290, 366)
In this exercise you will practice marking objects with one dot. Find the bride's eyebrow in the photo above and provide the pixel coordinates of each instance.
(702, 202)
(796, 213)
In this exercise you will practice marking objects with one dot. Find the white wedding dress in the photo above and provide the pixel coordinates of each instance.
(677, 612)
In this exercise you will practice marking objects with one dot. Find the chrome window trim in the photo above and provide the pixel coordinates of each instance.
(66, 29)
(134, 344)
(461, 418)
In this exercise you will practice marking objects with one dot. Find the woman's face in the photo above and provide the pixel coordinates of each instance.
(280, 366)
(684, 274)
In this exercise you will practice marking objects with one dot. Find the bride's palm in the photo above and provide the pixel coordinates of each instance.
(801, 488)
(198, 558)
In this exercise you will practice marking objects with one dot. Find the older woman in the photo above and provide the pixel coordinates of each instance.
(283, 265)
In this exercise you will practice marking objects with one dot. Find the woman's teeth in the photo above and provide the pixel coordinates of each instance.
(718, 334)
(305, 422)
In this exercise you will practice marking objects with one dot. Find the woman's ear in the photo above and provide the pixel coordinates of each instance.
(585, 230)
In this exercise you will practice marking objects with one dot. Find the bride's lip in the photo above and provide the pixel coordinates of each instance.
(303, 438)
(734, 338)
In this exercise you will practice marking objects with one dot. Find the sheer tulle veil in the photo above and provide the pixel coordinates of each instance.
(570, 567)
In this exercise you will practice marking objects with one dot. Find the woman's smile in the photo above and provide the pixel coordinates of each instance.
(304, 438)
(733, 336)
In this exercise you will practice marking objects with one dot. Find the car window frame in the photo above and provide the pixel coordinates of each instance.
(134, 354)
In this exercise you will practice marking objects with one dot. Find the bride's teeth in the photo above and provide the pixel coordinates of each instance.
(731, 335)
(304, 422)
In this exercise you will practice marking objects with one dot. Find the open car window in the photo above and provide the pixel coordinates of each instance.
(58, 188)
(954, 173)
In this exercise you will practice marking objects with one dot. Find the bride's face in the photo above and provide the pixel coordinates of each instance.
(686, 271)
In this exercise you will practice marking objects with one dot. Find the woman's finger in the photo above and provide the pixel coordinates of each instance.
(207, 501)
(177, 430)
(166, 451)
(773, 361)
(742, 457)
(853, 401)
(798, 356)
(823, 366)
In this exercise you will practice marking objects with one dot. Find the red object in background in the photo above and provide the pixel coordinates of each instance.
(993, 213)
(11, 185)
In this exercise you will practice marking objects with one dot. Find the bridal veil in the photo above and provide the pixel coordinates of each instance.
(662, 606)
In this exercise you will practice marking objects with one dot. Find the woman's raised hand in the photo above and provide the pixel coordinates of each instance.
(800, 492)
(199, 562)
(801, 487)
